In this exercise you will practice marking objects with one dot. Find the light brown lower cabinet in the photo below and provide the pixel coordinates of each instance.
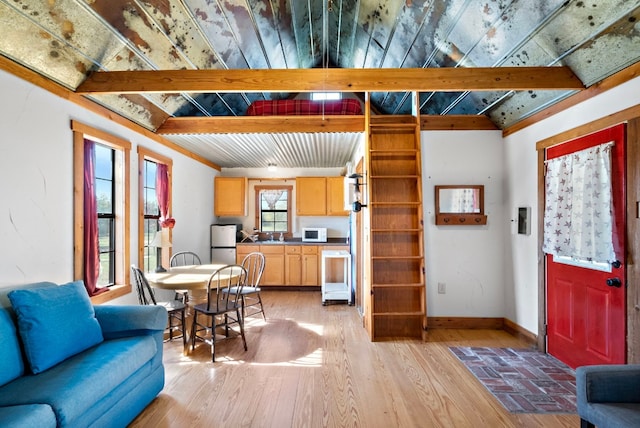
(243, 250)
(294, 265)
(301, 265)
(310, 264)
(274, 264)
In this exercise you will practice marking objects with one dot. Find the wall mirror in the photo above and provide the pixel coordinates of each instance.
(460, 205)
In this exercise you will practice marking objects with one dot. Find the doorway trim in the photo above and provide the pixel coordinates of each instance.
(632, 117)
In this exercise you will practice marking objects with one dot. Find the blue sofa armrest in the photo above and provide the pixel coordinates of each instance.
(123, 321)
(608, 384)
(27, 415)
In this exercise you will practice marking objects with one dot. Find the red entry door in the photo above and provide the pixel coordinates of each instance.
(586, 317)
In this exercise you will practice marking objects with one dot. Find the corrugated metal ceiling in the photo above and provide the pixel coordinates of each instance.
(66, 40)
(290, 150)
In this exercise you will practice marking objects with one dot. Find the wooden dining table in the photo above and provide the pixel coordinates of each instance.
(190, 277)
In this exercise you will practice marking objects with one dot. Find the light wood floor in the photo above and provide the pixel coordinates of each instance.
(310, 365)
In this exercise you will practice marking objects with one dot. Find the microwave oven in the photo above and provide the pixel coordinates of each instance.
(314, 234)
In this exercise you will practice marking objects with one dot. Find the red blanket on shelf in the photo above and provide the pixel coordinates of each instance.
(304, 107)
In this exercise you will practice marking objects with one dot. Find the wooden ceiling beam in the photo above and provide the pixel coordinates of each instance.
(260, 124)
(333, 79)
(456, 122)
(280, 124)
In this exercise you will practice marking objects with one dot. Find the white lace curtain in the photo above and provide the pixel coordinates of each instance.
(271, 197)
(578, 217)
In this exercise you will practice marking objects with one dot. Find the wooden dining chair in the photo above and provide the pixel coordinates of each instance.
(175, 308)
(222, 310)
(184, 258)
(250, 294)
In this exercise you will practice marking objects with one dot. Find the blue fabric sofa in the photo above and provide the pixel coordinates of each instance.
(68, 363)
(608, 396)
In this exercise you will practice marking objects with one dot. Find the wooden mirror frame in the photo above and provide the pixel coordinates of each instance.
(460, 219)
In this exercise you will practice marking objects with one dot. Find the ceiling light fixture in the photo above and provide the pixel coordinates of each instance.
(271, 167)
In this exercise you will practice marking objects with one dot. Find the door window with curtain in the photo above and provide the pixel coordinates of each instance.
(578, 218)
(584, 241)
(273, 208)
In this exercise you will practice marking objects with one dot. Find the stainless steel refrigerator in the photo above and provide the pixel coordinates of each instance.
(223, 242)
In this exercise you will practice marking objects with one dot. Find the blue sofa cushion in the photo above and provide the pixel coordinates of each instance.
(55, 323)
(12, 365)
(614, 415)
(77, 384)
(27, 415)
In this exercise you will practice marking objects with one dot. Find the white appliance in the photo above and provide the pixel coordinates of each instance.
(314, 234)
(223, 242)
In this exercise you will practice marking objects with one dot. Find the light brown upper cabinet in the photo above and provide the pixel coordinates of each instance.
(320, 196)
(230, 196)
(335, 196)
(310, 196)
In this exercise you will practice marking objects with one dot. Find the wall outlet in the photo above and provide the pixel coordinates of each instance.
(442, 288)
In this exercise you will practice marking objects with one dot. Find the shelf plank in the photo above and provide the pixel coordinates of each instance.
(393, 151)
(400, 230)
(396, 257)
(403, 285)
(374, 203)
(401, 177)
(397, 314)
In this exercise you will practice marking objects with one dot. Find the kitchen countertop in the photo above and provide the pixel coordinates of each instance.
(297, 241)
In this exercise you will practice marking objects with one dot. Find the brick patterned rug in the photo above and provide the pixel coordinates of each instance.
(523, 380)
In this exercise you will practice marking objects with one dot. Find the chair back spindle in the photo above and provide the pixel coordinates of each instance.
(146, 296)
(175, 309)
(184, 258)
(228, 277)
(254, 264)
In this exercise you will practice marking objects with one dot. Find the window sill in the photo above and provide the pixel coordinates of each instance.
(113, 293)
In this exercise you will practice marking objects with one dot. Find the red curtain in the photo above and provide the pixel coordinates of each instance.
(91, 249)
(162, 193)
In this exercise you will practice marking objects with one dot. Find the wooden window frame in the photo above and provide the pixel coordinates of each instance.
(81, 131)
(258, 210)
(146, 154)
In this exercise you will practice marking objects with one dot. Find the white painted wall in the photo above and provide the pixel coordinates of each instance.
(521, 273)
(468, 259)
(36, 186)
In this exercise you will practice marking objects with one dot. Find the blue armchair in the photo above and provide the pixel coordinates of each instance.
(608, 396)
